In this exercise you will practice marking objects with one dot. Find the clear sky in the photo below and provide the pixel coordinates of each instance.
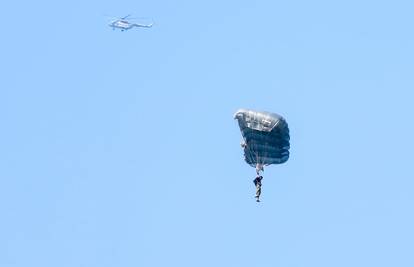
(120, 148)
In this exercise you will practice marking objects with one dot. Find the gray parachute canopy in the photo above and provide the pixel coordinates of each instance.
(266, 138)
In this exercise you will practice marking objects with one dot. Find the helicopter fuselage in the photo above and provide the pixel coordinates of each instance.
(121, 24)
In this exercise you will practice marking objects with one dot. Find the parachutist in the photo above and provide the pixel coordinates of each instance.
(258, 183)
(265, 142)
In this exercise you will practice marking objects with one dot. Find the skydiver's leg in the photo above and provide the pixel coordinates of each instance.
(258, 192)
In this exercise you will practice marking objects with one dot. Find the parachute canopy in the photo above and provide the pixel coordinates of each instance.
(266, 137)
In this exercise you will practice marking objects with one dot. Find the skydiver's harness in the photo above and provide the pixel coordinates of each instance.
(258, 181)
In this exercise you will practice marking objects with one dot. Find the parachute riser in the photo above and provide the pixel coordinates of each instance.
(259, 167)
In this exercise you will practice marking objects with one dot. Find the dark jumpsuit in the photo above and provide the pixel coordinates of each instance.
(258, 183)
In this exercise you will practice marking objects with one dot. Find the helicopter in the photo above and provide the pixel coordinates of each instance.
(125, 24)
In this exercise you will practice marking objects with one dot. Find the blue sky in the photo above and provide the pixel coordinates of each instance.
(119, 148)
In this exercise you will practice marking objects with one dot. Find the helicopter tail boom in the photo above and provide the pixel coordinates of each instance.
(143, 25)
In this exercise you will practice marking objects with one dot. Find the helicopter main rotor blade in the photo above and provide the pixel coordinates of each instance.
(111, 18)
(141, 18)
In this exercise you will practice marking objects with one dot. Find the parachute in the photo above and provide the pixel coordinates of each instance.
(265, 138)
